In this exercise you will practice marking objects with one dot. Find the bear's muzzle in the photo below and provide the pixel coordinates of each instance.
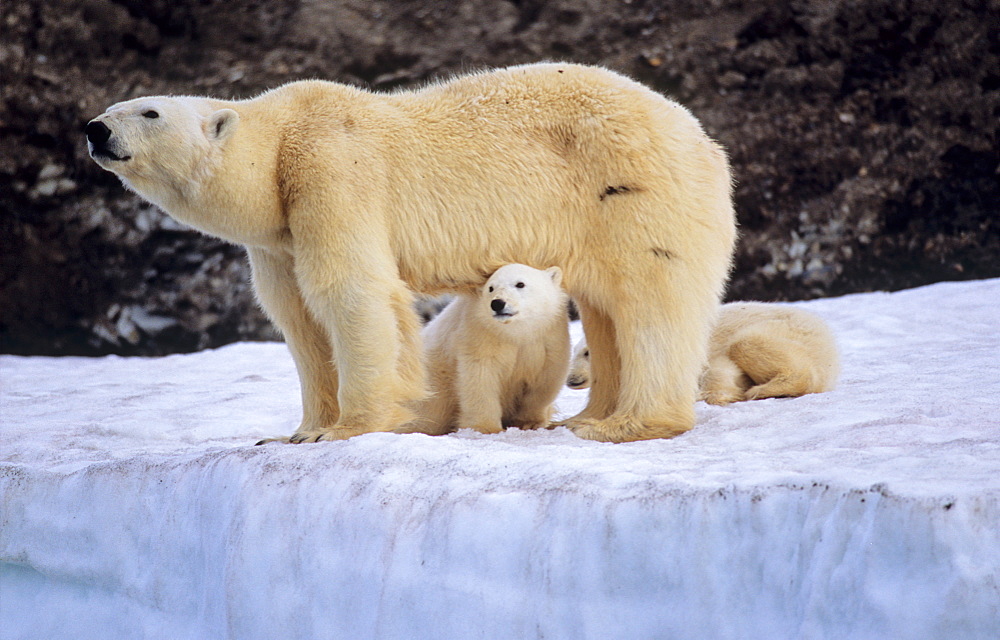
(98, 134)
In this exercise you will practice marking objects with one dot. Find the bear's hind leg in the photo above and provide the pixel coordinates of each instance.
(661, 327)
(604, 365)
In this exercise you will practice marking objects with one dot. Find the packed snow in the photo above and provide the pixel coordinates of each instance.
(134, 504)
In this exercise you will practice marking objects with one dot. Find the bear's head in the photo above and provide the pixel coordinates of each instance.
(160, 147)
(579, 366)
(519, 295)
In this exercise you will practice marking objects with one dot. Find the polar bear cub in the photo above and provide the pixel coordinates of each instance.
(498, 357)
(756, 350)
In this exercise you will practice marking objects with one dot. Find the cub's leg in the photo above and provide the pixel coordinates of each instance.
(479, 405)
(274, 283)
(536, 416)
(535, 408)
(777, 371)
(436, 415)
(723, 382)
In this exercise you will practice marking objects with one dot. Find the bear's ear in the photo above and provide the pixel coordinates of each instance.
(221, 124)
(556, 274)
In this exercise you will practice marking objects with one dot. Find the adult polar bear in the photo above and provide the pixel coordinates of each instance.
(347, 201)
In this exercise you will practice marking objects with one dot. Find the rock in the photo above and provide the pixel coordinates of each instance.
(863, 137)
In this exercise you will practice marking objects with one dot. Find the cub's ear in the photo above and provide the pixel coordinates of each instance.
(556, 274)
(221, 124)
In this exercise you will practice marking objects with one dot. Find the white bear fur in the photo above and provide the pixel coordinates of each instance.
(491, 370)
(349, 201)
(756, 350)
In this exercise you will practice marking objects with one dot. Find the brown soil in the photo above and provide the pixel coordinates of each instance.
(863, 135)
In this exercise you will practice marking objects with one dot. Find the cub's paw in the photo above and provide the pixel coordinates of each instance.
(486, 428)
(533, 425)
(721, 398)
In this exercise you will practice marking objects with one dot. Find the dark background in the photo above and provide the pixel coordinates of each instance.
(863, 136)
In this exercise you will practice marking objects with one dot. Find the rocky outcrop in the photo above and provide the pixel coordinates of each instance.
(863, 135)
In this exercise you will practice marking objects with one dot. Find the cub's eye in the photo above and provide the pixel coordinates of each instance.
(150, 114)
(586, 353)
(491, 289)
(519, 285)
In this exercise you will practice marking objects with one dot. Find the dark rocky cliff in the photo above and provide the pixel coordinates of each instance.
(863, 135)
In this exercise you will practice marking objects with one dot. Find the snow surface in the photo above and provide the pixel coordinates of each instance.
(135, 506)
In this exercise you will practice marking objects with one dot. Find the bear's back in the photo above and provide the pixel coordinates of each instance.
(581, 113)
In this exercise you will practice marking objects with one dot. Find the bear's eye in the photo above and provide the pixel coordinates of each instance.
(586, 353)
(519, 285)
(150, 114)
(491, 289)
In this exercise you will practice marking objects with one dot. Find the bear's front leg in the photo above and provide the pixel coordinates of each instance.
(278, 293)
(367, 312)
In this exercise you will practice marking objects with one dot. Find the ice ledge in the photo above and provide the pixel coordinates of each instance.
(132, 506)
(247, 543)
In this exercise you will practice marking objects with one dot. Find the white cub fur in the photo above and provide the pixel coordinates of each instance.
(756, 350)
(579, 366)
(498, 357)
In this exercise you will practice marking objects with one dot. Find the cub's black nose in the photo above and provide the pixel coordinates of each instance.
(97, 132)
(497, 305)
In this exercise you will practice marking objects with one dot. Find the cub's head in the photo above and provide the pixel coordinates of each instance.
(579, 366)
(159, 146)
(517, 293)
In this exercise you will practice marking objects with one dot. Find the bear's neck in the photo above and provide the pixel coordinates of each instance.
(233, 195)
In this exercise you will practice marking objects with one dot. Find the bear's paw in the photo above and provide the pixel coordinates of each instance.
(623, 428)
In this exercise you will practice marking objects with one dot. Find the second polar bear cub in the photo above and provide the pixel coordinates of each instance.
(498, 357)
(756, 350)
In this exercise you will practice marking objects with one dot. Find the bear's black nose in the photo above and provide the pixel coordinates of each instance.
(497, 305)
(97, 132)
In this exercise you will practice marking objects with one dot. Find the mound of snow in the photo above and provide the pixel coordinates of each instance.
(135, 506)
